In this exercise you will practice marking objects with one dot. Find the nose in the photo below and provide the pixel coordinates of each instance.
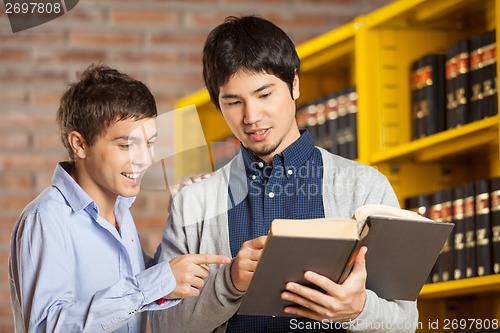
(143, 155)
(252, 113)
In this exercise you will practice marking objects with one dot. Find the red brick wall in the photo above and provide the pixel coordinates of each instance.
(159, 42)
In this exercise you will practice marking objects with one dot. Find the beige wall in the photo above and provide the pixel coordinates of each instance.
(158, 42)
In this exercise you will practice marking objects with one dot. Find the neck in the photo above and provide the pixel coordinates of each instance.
(104, 200)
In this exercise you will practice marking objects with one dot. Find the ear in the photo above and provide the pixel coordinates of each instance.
(295, 87)
(77, 143)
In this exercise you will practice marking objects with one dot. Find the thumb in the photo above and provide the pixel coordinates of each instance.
(360, 262)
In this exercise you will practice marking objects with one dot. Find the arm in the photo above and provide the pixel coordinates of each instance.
(218, 299)
(45, 284)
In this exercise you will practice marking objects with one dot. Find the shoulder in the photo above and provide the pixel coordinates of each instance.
(49, 205)
(341, 166)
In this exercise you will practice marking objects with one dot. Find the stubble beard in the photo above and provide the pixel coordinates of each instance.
(267, 149)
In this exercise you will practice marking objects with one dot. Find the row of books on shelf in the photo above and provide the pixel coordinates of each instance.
(456, 88)
(331, 121)
(473, 248)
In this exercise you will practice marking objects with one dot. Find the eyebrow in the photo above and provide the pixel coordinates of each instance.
(134, 138)
(256, 91)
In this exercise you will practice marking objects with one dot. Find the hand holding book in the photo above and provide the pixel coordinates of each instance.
(397, 263)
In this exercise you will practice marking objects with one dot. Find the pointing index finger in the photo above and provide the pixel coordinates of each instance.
(203, 259)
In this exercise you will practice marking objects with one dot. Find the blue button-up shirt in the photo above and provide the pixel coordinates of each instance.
(290, 188)
(72, 271)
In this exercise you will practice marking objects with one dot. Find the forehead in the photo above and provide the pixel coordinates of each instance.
(248, 81)
(132, 128)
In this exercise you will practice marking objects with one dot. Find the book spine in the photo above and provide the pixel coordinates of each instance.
(416, 114)
(495, 223)
(470, 231)
(476, 86)
(451, 70)
(483, 228)
(462, 90)
(312, 122)
(342, 124)
(433, 94)
(352, 126)
(441, 211)
(489, 70)
(331, 112)
(458, 233)
(321, 124)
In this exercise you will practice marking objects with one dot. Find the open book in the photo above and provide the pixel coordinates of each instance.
(402, 248)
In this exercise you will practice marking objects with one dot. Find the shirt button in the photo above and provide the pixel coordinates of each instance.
(260, 164)
(290, 171)
(271, 195)
(254, 177)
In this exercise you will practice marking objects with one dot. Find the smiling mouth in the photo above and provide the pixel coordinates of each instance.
(132, 175)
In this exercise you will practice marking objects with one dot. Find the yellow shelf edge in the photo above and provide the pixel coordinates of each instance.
(200, 97)
(419, 146)
(460, 287)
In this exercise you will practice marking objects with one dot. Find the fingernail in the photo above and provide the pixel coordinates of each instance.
(290, 286)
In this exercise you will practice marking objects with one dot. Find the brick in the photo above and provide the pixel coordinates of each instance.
(14, 55)
(73, 55)
(43, 178)
(28, 161)
(14, 140)
(47, 97)
(13, 96)
(13, 119)
(32, 37)
(186, 38)
(297, 21)
(141, 17)
(16, 201)
(16, 180)
(104, 38)
(149, 59)
(176, 79)
(34, 77)
(208, 20)
(47, 139)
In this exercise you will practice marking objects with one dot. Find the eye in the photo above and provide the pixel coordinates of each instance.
(265, 95)
(126, 146)
(233, 103)
(151, 143)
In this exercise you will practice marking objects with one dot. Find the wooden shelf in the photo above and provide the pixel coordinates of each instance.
(443, 145)
(462, 287)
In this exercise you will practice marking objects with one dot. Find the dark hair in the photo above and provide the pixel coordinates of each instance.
(250, 43)
(102, 96)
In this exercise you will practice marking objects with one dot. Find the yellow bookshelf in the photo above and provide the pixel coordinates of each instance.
(374, 53)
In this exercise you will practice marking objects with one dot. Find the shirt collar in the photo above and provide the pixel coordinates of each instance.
(75, 196)
(295, 155)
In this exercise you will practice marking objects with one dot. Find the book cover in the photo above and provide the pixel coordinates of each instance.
(397, 263)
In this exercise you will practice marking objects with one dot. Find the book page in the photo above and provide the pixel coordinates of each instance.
(363, 212)
(316, 228)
